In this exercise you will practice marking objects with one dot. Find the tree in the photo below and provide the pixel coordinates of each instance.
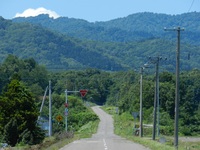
(20, 115)
(11, 132)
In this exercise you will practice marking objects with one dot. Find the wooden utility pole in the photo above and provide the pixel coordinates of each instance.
(156, 97)
(177, 99)
(50, 110)
(141, 112)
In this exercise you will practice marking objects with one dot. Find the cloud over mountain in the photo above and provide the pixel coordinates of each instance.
(35, 12)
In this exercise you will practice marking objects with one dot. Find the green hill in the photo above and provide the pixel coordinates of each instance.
(49, 48)
(119, 44)
(139, 26)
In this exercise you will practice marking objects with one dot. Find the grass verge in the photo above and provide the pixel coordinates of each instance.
(124, 127)
(55, 142)
(86, 131)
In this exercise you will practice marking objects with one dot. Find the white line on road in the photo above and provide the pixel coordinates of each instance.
(85, 141)
(105, 145)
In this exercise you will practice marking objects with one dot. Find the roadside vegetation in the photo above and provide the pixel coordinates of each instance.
(58, 141)
(124, 126)
(23, 83)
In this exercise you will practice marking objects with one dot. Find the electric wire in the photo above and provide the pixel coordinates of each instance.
(191, 5)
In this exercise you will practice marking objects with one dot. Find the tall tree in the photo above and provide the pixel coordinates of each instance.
(20, 115)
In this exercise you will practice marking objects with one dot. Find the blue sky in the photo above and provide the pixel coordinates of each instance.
(99, 10)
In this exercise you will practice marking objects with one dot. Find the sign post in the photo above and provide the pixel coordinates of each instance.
(83, 92)
(135, 114)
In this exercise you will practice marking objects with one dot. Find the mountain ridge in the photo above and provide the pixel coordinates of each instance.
(97, 45)
(139, 26)
(49, 48)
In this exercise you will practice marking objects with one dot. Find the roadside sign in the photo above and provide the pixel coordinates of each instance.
(66, 105)
(117, 110)
(135, 114)
(83, 92)
(66, 112)
(59, 118)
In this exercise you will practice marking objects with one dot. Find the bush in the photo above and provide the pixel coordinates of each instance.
(80, 119)
(167, 130)
(186, 130)
(63, 135)
(33, 137)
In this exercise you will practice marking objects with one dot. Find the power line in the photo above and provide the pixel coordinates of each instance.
(191, 6)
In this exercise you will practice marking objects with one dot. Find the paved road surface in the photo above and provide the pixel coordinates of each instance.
(104, 139)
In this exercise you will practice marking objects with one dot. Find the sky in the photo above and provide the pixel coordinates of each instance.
(95, 10)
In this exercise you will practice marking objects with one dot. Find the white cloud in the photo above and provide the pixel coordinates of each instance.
(35, 12)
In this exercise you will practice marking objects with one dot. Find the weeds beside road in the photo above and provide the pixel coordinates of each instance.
(124, 127)
(57, 141)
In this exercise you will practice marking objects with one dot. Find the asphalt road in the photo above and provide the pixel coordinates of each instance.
(104, 139)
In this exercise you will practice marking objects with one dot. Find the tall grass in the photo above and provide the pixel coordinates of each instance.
(124, 124)
(58, 141)
(86, 131)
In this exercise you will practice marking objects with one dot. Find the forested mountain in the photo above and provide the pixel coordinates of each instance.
(85, 30)
(49, 48)
(154, 24)
(137, 26)
(120, 44)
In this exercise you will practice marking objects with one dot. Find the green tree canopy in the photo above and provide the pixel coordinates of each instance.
(19, 115)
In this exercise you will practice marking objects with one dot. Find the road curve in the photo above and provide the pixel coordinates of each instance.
(104, 139)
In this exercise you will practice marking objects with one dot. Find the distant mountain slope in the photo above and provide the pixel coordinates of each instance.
(136, 54)
(139, 26)
(84, 30)
(59, 51)
(154, 23)
(51, 49)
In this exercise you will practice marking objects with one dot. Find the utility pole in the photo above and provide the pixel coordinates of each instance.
(177, 99)
(156, 98)
(66, 111)
(158, 101)
(50, 110)
(141, 89)
(156, 114)
(141, 112)
(42, 103)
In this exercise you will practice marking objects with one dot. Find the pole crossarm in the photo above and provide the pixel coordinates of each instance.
(155, 60)
(174, 29)
(72, 91)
